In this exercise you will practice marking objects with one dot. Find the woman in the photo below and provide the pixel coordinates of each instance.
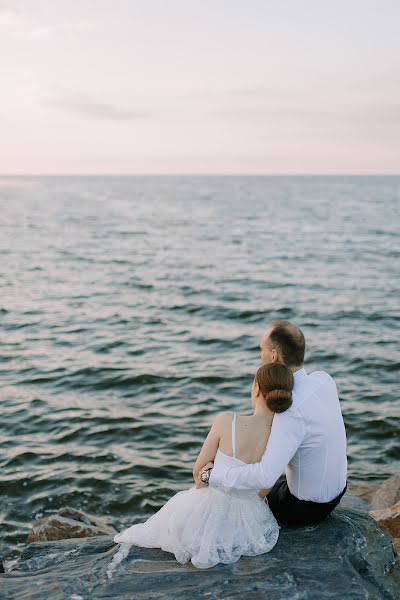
(208, 526)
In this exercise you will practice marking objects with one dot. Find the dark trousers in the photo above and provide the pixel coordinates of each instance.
(289, 510)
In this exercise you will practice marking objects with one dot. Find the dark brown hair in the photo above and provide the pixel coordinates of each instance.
(289, 341)
(276, 383)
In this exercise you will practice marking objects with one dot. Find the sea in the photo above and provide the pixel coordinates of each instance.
(131, 311)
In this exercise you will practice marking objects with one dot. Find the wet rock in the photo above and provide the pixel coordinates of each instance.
(68, 523)
(389, 518)
(378, 496)
(346, 556)
(385, 500)
(363, 491)
(387, 494)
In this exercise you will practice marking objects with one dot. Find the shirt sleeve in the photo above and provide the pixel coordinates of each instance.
(287, 433)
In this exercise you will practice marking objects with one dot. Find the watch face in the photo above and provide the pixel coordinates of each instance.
(205, 476)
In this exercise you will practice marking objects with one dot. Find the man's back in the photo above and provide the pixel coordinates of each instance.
(318, 469)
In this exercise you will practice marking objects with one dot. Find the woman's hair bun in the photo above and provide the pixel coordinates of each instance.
(279, 400)
(276, 383)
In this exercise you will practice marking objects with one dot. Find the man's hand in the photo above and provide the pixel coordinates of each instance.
(263, 493)
(199, 483)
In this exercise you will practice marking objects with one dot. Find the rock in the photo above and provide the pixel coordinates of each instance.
(379, 496)
(389, 518)
(397, 545)
(384, 499)
(354, 502)
(363, 491)
(1, 567)
(68, 523)
(387, 494)
(346, 556)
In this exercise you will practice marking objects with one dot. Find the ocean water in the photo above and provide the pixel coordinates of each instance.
(131, 310)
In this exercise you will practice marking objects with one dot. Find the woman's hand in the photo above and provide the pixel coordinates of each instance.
(209, 448)
(199, 483)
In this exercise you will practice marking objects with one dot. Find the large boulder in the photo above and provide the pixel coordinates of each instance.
(346, 556)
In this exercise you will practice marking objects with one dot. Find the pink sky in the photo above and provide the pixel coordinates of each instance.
(219, 86)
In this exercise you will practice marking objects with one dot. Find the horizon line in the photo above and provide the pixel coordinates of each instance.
(222, 174)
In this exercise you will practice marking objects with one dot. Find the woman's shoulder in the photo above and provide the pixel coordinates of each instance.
(228, 416)
(222, 419)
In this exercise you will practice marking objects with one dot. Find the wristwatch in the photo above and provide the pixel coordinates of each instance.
(205, 475)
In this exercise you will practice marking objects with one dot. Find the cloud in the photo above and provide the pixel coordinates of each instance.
(381, 111)
(16, 22)
(256, 91)
(51, 31)
(87, 108)
(10, 17)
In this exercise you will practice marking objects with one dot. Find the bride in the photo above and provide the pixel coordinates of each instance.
(207, 525)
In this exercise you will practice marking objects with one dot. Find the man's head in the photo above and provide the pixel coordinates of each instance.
(283, 343)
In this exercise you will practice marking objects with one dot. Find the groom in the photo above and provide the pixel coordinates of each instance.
(308, 441)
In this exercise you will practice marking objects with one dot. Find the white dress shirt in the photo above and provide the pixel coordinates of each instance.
(308, 441)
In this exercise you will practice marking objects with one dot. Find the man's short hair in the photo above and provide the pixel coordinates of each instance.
(289, 341)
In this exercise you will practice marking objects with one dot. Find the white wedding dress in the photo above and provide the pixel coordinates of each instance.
(206, 526)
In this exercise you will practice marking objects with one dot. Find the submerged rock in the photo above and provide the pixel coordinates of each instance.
(346, 556)
(68, 523)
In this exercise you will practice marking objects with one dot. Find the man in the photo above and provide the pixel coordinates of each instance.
(308, 441)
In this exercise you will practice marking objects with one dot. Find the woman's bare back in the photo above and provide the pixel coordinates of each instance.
(252, 434)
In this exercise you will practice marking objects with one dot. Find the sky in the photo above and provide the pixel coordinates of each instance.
(211, 87)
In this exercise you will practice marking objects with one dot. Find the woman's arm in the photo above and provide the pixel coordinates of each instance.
(209, 448)
(287, 433)
(264, 492)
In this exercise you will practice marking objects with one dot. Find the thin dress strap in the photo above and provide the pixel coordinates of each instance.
(234, 435)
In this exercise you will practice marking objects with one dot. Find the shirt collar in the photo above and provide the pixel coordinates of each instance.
(300, 374)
